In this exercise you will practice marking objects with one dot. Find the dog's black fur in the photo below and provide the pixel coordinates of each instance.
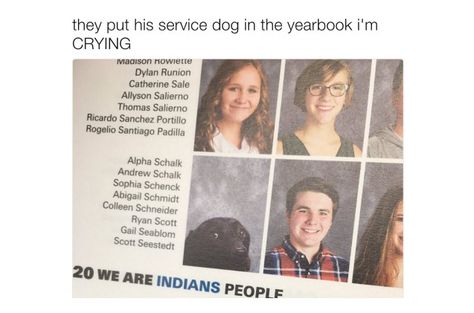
(219, 242)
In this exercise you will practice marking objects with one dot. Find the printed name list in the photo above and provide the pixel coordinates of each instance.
(147, 191)
(153, 100)
(135, 110)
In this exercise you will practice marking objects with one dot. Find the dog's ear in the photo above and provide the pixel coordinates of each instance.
(247, 239)
(189, 238)
(244, 235)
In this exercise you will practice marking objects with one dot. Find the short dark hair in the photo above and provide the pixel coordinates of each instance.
(398, 77)
(314, 184)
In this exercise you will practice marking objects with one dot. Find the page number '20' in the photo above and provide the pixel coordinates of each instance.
(83, 272)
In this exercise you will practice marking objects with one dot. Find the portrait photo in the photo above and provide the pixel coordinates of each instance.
(226, 213)
(313, 202)
(237, 106)
(379, 250)
(324, 105)
(386, 124)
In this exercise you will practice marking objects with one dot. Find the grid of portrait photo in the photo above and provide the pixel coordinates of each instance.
(298, 170)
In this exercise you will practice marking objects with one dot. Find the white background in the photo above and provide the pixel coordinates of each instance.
(432, 37)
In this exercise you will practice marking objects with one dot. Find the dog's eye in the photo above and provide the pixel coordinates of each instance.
(215, 235)
(242, 233)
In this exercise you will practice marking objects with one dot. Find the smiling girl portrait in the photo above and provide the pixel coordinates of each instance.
(234, 113)
(323, 91)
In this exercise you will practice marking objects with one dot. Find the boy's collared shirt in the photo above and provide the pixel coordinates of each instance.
(287, 261)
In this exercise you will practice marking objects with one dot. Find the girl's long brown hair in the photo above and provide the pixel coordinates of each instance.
(374, 264)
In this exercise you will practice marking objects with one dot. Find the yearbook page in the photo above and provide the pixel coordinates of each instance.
(251, 178)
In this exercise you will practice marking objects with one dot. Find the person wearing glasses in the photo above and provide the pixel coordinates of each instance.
(322, 91)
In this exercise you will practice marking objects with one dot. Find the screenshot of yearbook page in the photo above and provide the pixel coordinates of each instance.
(237, 178)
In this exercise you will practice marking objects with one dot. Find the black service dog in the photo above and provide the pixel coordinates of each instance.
(219, 242)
